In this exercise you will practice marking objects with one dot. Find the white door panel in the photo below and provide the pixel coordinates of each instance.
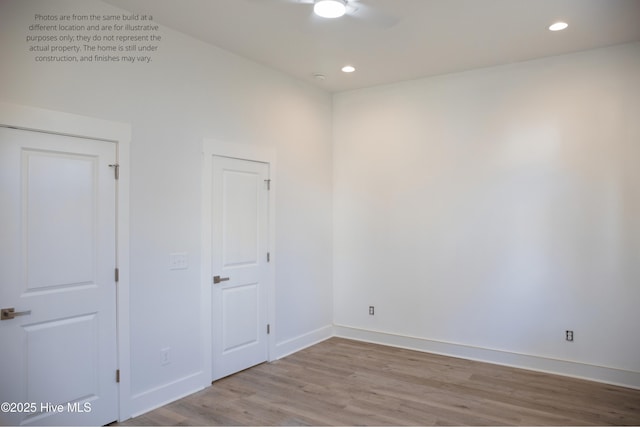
(61, 224)
(57, 260)
(76, 335)
(239, 224)
(240, 308)
(240, 221)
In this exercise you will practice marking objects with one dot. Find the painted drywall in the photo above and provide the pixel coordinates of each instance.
(495, 209)
(189, 92)
(492, 209)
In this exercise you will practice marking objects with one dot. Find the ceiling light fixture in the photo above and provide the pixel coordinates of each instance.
(348, 69)
(558, 26)
(330, 8)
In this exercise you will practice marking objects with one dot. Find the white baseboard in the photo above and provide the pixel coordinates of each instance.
(601, 374)
(293, 345)
(165, 394)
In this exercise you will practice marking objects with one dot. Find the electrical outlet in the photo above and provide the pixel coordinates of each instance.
(165, 358)
(372, 310)
(568, 335)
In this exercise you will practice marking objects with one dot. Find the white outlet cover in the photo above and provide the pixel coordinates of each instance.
(164, 354)
(178, 261)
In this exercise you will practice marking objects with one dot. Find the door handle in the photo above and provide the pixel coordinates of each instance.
(218, 279)
(10, 313)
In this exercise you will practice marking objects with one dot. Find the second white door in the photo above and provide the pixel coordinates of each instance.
(240, 203)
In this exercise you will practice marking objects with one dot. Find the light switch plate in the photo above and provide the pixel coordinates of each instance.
(178, 261)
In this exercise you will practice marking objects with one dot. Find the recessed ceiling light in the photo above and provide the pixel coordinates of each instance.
(330, 8)
(558, 26)
(348, 69)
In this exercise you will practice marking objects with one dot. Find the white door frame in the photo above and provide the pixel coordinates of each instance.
(56, 122)
(210, 148)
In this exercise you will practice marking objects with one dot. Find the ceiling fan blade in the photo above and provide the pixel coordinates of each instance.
(362, 11)
(282, 1)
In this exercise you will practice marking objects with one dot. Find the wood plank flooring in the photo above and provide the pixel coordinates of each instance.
(344, 382)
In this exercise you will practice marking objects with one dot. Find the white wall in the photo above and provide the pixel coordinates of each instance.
(192, 91)
(493, 210)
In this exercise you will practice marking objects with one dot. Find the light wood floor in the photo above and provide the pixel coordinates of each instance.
(343, 382)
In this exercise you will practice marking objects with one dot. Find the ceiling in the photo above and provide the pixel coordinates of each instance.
(395, 40)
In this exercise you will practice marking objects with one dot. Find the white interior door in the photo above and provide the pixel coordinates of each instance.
(57, 260)
(240, 218)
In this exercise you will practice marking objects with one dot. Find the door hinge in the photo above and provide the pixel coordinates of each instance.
(117, 375)
(268, 257)
(268, 329)
(268, 181)
(117, 274)
(116, 170)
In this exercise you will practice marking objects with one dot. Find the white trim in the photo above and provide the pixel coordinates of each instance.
(42, 120)
(38, 119)
(211, 147)
(157, 397)
(293, 345)
(498, 357)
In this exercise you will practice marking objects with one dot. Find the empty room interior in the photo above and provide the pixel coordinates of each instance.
(242, 202)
